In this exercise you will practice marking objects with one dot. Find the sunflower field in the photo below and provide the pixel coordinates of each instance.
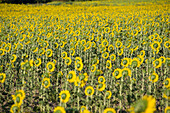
(85, 57)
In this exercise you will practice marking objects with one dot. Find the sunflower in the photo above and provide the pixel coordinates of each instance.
(50, 66)
(56, 45)
(108, 64)
(93, 68)
(108, 94)
(154, 77)
(141, 59)
(142, 53)
(110, 48)
(101, 86)
(71, 76)
(89, 91)
(82, 109)
(126, 72)
(15, 108)
(79, 66)
(49, 52)
(20, 92)
(112, 57)
(167, 61)
(131, 51)
(135, 63)
(162, 59)
(79, 83)
(120, 52)
(2, 52)
(167, 83)
(64, 55)
(166, 94)
(72, 51)
(105, 43)
(118, 44)
(78, 59)
(2, 77)
(59, 109)
(31, 62)
(37, 62)
(167, 44)
(83, 77)
(13, 58)
(41, 51)
(105, 55)
(145, 105)
(8, 47)
(117, 73)
(17, 99)
(95, 61)
(68, 61)
(109, 110)
(64, 96)
(155, 45)
(125, 62)
(46, 82)
(101, 79)
(167, 109)
(157, 63)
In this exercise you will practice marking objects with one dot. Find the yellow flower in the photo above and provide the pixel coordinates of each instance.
(59, 109)
(64, 96)
(13, 58)
(166, 94)
(89, 91)
(108, 64)
(142, 53)
(117, 73)
(68, 61)
(118, 44)
(167, 44)
(72, 51)
(2, 77)
(101, 79)
(41, 51)
(17, 99)
(64, 55)
(93, 68)
(154, 77)
(135, 63)
(79, 66)
(162, 59)
(20, 92)
(111, 48)
(35, 49)
(83, 77)
(105, 55)
(101, 86)
(157, 63)
(71, 76)
(141, 59)
(125, 62)
(15, 108)
(109, 110)
(56, 45)
(145, 105)
(46, 82)
(167, 109)
(105, 43)
(37, 62)
(167, 83)
(2, 52)
(108, 94)
(155, 45)
(50, 66)
(112, 57)
(120, 52)
(49, 52)
(82, 109)
(78, 59)
(126, 72)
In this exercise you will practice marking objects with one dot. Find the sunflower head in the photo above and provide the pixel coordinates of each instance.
(167, 83)
(93, 68)
(108, 64)
(2, 77)
(108, 94)
(15, 108)
(153, 77)
(109, 110)
(79, 66)
(125, 62)
(101, 86)
(89, 90)
(135, 63)
(167, 109)
(64, 96)
(50, 66)
(71, 76)
(59, 109)
(157, 63)
(101, 79)
(49, 52)
(46, 82)
(112, 57)
(117, 73)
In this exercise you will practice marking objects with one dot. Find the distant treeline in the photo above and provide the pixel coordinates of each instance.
(35, 1)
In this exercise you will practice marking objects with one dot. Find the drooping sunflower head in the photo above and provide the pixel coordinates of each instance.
(93, 68)
(64, 96)
(101, 79)
(167, 62)
(117, 73)
(108, 94)
(145, 105)
(153, 77)
(157, 63)
(109, 110)
(71, 76)
(49, 52)
(125, 62)
(141, 59)
(2, 77)
(101, 86)
(89, 91)
(167, 82)
(108, 64)
(59, 109)
(46, 82)
(15, 108)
